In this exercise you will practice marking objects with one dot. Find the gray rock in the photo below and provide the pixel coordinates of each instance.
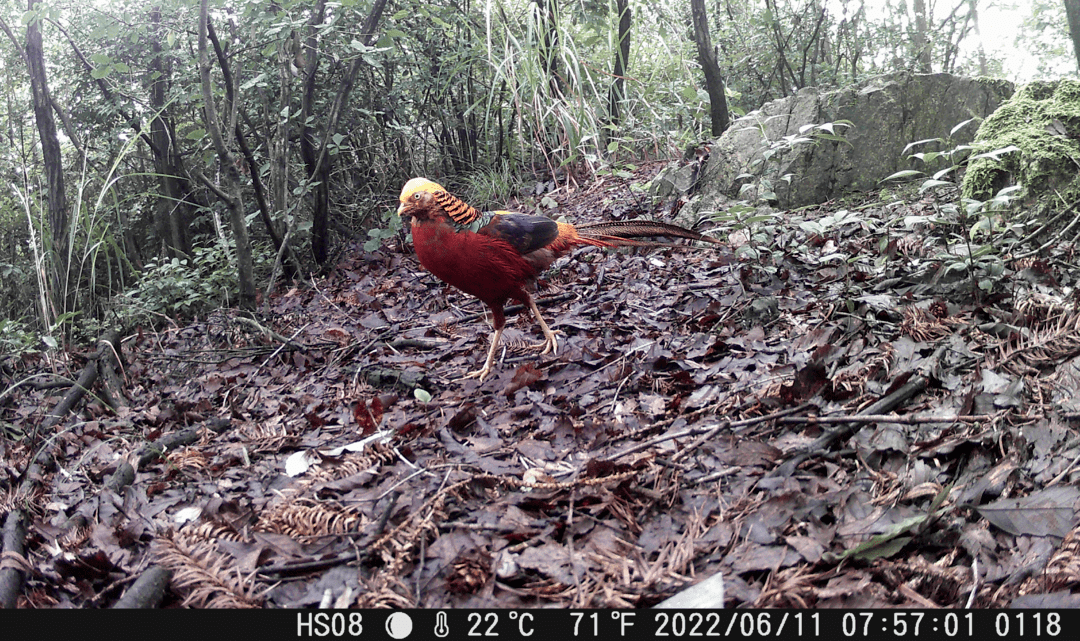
(886, 113)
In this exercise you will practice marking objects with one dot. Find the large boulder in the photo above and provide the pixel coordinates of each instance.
(886, 113)
(1040, 128)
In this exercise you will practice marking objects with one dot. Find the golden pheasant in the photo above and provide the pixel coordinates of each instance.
(503, 258)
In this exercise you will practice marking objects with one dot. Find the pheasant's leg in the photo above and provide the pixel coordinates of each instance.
(550, 344)
(483, 372)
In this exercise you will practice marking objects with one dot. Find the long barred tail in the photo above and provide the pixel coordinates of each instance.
(621, 233)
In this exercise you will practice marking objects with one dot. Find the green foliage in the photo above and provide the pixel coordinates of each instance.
(978, 235)
(1044, 37)
(179, 288)
(758, 227)
(486, 187)
(982, 263)
(376, 235)
(947, 161)
(16, 338)
(475, 94)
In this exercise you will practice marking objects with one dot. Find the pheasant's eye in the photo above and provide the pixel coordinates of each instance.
(416, 196)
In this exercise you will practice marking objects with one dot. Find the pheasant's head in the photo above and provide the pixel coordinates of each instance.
(422, 198)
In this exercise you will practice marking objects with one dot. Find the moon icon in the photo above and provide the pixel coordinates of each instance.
(399, 625)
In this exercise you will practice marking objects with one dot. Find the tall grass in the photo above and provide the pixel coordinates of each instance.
(75, 284)
(563, 121)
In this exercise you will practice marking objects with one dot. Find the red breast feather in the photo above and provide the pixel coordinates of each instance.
(485, 267)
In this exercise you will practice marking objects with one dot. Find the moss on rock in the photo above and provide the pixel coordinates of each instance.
(1043, 121)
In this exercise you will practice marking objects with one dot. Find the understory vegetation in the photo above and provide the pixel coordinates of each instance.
(128, 211)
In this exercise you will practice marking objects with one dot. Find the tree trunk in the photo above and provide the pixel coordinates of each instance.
(974, 6)
(230, 195)
(245, 150)
(920, 38)
(316, 157)
(172, 210)
(783, 70)
(318, 174)
(622, 60)
(714, 81)
(1072, 14)
(51, 157)
(290, 60)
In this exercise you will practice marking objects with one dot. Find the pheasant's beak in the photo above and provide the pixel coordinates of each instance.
(400, 207)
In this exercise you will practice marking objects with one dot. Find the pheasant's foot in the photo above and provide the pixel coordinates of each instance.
(483, 372)
(549, 345)
(479, 374)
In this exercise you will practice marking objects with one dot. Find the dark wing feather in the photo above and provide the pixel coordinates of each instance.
(524, 232)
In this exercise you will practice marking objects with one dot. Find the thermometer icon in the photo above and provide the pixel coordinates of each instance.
(441, 629)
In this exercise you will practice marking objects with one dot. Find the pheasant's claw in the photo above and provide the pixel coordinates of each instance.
(548, 346)
(479, 374)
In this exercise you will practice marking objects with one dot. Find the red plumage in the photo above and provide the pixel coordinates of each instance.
(479, 264)
(502, 260)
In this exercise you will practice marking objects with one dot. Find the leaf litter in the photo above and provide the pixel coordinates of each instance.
(829, 420)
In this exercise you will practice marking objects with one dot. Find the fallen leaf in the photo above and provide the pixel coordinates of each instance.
(1049, 512)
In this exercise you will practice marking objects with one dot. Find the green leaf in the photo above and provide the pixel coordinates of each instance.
(997, 153)
(833, 137)
(100, 59)
(960, 126)
(422, 395)
(254, 81)
(100, 72)
(195, 134)
(929, 184)
(877, 549)
(887, 543)
(944, 172)
(747, 251)
(919, 142)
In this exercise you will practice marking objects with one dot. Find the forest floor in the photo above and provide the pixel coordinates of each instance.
(844, 419)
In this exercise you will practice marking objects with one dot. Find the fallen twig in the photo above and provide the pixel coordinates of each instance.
(913, 387)
(886, 418)
(701, 429)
